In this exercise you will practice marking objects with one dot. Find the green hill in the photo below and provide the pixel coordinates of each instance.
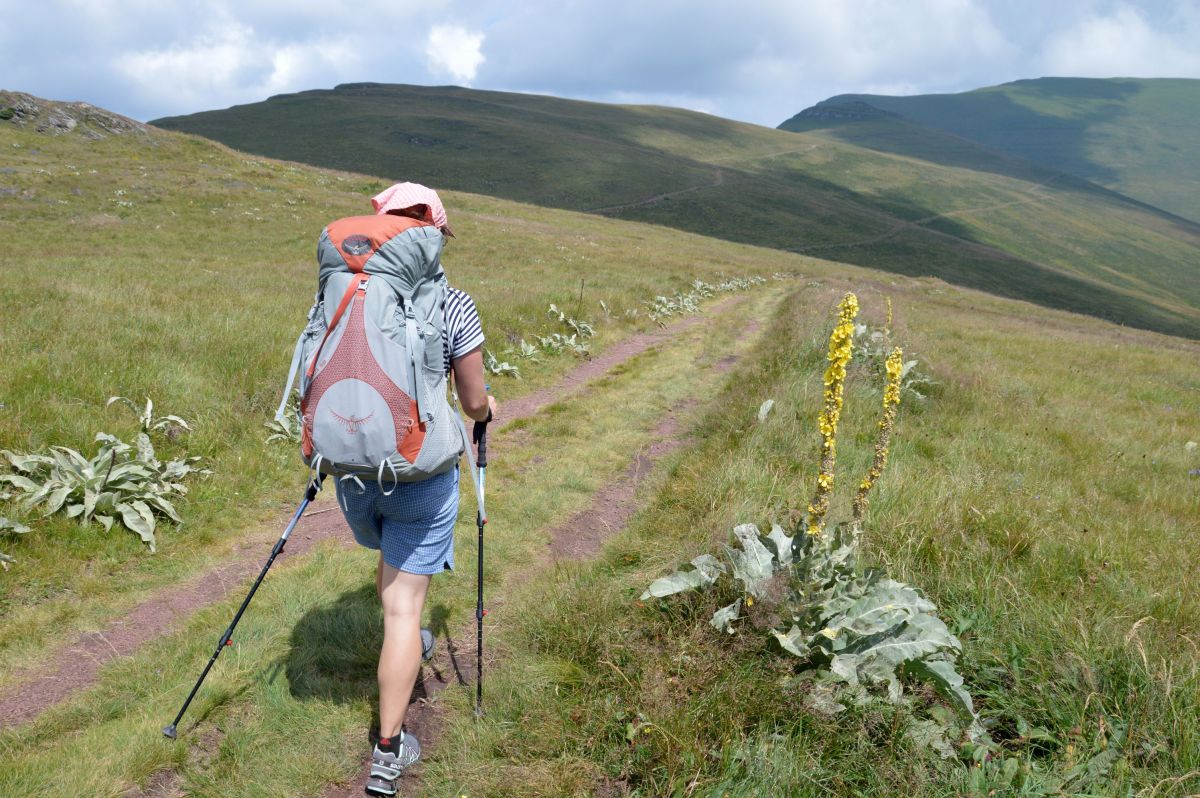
(982, 220)
(1135, 136)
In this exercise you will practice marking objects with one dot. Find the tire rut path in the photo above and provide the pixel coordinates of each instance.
(577, 538)
(76, 666)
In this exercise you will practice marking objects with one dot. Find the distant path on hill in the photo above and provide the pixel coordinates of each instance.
(901, 226)
(718, 180)
(76, 666)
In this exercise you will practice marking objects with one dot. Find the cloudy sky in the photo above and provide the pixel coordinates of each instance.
(754, 60)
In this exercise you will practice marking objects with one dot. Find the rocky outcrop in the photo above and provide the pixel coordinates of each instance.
(59, 118)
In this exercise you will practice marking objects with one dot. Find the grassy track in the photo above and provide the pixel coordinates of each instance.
(302, 672)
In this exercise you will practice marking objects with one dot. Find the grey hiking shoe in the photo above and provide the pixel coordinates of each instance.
(388, 760)
(426, 645)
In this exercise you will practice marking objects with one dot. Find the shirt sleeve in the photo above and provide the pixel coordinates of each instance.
(466, 332)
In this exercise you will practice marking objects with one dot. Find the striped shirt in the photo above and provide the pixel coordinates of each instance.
(461, 331)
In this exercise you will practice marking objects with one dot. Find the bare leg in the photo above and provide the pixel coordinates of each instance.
(403, 598)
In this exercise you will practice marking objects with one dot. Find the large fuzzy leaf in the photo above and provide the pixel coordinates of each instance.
(26, 462)
(754, 563)
(7, 525)
(704, 571)
(57, 497)
(940, 670)
(165, 507)
(781, 543)
(723, 618)
(137, 516)
(794, 641)
(876, 658)
(885, 605)
(24, 483)
(145, 449)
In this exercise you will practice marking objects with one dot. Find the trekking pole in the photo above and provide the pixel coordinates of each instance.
(479, 435)
(226, 638)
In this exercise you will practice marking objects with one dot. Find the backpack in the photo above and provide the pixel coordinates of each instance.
(373, 380)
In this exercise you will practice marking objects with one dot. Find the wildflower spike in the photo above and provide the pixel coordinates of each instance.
(841, 347)
(891, 400)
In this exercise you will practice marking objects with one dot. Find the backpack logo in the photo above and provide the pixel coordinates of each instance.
(356, 245)
(352, 424)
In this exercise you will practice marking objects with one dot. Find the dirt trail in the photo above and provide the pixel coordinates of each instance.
(1034, 195)
(76, 666)
(577, 538)
(718, 181)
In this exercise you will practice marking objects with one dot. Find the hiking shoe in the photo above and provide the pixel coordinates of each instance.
(388, 760)
(426, 645)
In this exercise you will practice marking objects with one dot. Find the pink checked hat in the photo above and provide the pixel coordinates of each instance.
(406, 195)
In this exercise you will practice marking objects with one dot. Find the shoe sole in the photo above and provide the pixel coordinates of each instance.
(380, 787)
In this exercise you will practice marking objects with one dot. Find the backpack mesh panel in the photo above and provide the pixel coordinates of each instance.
(353, 360)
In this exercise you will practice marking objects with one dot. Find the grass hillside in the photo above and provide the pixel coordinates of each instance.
(1135, 136)
(1043, 495)
(1006, 227)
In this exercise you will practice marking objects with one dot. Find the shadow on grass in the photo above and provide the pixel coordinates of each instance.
(335, 651)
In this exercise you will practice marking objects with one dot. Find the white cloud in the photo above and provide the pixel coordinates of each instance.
(1124, 43)
(454, 51)
(761, 61)
(227, 64)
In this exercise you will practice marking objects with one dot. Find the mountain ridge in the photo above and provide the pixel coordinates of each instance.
(1132, 135)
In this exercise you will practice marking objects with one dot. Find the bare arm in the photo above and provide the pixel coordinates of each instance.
(471, 385)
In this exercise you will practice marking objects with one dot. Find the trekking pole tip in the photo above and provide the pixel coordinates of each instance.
(169, 731)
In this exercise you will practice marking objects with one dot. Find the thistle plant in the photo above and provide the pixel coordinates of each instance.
(891, 403)
(841, 348)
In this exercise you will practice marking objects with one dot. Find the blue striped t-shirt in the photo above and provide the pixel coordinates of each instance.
(461, 331)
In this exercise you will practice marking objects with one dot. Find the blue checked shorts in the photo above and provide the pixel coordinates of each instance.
(413, 526)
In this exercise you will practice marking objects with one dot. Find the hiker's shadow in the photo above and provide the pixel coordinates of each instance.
(335, 650)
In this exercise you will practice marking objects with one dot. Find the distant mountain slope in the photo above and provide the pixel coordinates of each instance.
(1135, 136)
(982, 219)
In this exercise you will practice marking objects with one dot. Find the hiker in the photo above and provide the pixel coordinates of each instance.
(410, 523)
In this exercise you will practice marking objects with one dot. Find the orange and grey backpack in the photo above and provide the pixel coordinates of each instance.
(373, 398)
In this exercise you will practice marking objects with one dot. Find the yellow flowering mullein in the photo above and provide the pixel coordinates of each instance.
(891, 401)
(841, 346)
(888, 323)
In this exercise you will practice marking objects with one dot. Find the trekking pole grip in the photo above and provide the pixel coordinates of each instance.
(479, 436)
